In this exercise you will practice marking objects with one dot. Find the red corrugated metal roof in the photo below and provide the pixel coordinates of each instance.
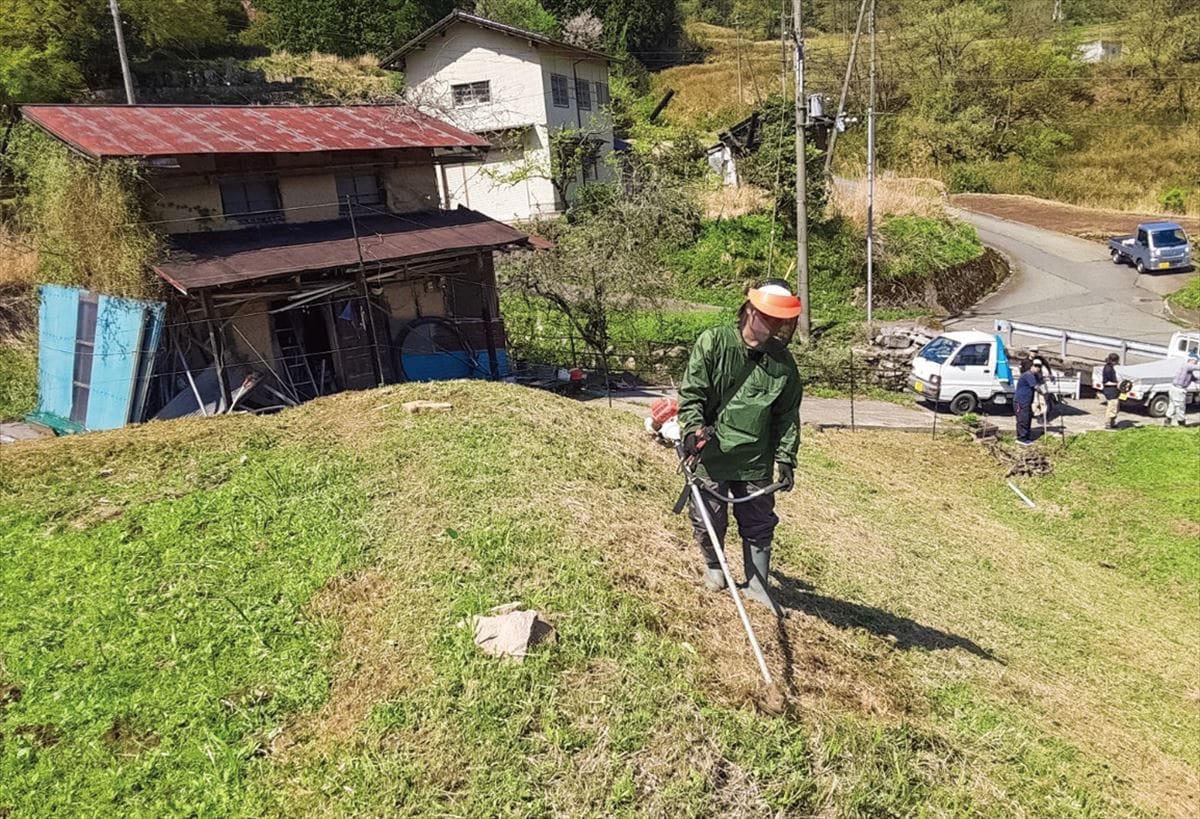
(171, 130)
(201, 260)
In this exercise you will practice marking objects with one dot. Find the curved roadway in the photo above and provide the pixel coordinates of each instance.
(1061, 281)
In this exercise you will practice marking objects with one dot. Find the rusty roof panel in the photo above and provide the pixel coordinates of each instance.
(202, 260)
(170, 130)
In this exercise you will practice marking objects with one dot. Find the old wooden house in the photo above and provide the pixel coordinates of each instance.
(310, 251)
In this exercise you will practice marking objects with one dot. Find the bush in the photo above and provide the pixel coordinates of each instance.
(1173, 200)
(968, 179)
(18, 379)
(86, 218)
(916, 247)
(1188, 296)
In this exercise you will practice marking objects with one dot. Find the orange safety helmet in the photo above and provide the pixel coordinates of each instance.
(774, 299)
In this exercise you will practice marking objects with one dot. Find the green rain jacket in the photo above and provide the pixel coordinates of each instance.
(758, 421)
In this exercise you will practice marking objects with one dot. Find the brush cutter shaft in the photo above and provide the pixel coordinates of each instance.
(719, 548)
(757, 493)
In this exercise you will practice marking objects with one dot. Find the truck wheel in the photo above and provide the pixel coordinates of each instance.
(1158, 405)
(965, 402)
(1116, 257)
(1141, 266)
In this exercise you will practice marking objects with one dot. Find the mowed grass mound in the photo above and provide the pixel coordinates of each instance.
(261, 616)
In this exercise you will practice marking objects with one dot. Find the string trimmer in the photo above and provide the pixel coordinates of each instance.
(697, 488)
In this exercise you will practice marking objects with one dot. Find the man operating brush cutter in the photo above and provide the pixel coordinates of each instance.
(739, 415)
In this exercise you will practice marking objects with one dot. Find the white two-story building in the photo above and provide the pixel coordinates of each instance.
(515, 88)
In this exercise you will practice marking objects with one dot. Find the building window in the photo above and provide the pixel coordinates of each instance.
(583, 95)
(360, 188)
(591, 171)
(558, 90)
(85, 351)
(251, 200)
(602, 97)
(471, 93)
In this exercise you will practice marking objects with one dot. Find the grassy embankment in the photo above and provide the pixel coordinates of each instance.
(260, 615)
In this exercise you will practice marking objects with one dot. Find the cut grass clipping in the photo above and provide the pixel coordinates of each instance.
(249, 616)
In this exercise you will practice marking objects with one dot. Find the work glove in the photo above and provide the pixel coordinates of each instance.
(787, 476)
(696, 440)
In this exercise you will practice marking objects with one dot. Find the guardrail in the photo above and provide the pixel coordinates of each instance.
(1065, 337)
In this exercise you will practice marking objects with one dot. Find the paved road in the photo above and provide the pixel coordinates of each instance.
(1062, 281)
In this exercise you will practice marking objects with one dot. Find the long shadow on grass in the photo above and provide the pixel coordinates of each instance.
(904, 632)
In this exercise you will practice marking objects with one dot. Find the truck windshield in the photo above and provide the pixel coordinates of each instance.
(938, 350)
(1168, 238)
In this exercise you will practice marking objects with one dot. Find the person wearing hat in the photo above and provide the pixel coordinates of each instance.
(1028, 385)
(1188, 374)
(739, 414)
(1110, 389)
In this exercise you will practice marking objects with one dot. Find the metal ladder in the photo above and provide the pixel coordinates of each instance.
(295, 364)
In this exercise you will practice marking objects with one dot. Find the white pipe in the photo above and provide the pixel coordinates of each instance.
(1021, 495)
(719, 548)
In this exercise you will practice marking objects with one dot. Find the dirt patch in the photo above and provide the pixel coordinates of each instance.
(42, 735)
(125, 740)
(370, 665)
(1186, 528)
(9, 693)
(1088, 223)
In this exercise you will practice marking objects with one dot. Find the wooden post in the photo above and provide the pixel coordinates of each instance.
(485, 300)
(804, 325)
(361, 278)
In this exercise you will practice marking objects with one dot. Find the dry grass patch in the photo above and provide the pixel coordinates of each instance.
(894, 196)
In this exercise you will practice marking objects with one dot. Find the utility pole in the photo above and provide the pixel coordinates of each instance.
(804, 325)
(841, 109)
(116, 15)
(871, 171)
(737, 47)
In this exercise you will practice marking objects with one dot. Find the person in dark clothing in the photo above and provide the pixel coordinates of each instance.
(1029, 383)
(1109, 388)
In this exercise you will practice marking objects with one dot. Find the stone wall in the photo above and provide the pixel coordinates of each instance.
(949, 291)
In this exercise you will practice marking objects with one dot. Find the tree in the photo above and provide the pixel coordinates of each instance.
(526, 14)
(343, 27)
(773, 166)
(584, 30)
(612, 259)
(571, 151)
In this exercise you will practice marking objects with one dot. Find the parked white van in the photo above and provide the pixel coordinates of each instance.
(967, 368)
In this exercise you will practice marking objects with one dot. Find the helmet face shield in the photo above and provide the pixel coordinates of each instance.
(764, 328)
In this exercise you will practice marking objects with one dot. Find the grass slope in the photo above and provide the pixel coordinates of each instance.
(252, 616)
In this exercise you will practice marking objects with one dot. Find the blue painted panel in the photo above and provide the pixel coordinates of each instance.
(58, 316)
(119, 327)
(446, 366)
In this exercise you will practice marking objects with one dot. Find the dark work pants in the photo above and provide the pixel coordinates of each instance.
(1024, 413)
(756, 519)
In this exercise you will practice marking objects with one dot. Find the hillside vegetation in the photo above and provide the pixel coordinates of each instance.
(260, 615)
(986, 96)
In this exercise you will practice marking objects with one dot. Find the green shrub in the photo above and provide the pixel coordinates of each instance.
(1173, 200)
(915, 247)
(18, 380)
(87, 219)
(970, 178)
(1188, 296)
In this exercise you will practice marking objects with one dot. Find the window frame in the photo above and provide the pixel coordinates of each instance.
(467, 94)
(602, 96)
(251, 215)
(566, 91)
(972, 346)
(354, 175)
(583, 95)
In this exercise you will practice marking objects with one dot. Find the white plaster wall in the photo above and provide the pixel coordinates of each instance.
(519, 73)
